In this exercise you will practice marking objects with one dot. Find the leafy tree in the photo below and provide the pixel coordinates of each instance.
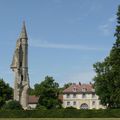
(64, 87)
(48, 92)
(12, 105)
(67, 85)
(6, 92)
(107, 79)
(103, 82)
(31, 91)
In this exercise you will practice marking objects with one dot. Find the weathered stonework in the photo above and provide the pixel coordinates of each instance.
(20, 67)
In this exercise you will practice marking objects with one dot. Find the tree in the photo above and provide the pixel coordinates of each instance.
(103, 80)
(31, 91)
(48, 90)
(6, 92)
(12, 105)
(107, 79)
(64, 87)
(67, 85)
(115, 63)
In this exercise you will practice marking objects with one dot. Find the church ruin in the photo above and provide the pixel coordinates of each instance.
(20, 67)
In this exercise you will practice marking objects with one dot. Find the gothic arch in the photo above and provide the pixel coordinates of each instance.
(84, 106)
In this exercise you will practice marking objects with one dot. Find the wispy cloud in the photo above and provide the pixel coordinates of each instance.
(107, 27)
(112, 19)
(45, 44)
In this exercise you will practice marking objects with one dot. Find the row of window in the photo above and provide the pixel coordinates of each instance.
(73, 103)
(83, 89)
(68, 103)
(83, 95)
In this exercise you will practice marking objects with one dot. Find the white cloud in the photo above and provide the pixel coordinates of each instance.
(112, 19)
(45, 44)
(107, 27)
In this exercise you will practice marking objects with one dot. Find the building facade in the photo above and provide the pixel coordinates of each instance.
(32, 102)
(81, 96)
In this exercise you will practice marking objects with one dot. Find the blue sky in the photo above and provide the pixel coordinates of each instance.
(66, 37)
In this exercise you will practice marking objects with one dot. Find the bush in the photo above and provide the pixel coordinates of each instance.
(40, 107)
(60, 113)
(70, 107)
(12, 105)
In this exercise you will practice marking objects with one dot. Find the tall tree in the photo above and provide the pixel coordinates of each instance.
(48, 90)
(107, 79)
(6, 92)
(115, 63)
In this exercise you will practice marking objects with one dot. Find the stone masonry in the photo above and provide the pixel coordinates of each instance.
(20, 67)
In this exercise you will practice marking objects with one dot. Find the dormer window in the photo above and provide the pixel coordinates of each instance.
(74, 89)
(84, 89)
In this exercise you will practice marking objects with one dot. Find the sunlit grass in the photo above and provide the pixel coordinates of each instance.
(59, 118)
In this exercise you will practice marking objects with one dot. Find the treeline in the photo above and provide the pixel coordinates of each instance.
(48, 92)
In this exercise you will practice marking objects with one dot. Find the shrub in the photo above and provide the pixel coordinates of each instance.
(70, 107)
(12, 105)
(61, 113)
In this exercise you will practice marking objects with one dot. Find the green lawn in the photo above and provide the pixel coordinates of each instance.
(59, 118)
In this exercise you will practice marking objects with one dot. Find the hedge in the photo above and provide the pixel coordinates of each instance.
(61, 113)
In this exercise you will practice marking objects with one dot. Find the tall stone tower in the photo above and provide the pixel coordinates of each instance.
(20, 67)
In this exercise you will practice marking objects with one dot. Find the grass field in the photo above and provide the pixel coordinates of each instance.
(59, 118)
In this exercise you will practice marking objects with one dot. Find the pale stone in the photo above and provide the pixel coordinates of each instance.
(20, 68)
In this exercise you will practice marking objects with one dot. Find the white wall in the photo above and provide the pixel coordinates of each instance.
(89, 99)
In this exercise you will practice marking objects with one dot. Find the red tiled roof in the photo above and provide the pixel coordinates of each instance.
(33, 99)
(79, 88)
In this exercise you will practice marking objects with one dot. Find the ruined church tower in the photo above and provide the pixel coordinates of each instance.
(20, 67)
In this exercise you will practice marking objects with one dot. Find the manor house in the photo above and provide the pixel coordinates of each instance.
(81, 96)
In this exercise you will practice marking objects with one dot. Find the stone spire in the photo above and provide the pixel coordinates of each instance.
(20, 68)
(23, 33)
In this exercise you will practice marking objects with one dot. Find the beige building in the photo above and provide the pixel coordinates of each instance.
(32, 101)
(81, 96)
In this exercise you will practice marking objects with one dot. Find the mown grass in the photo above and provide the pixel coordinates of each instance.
(59, 118)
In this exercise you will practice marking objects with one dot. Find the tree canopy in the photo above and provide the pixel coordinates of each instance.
(6, 92)
(48, 90)
(107, 79)
(12, 105)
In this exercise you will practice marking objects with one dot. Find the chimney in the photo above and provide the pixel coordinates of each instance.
(79, 83)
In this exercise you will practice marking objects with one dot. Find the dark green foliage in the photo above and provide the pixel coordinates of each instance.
(64, 87)
(31, 91)
(12, 105)
(6, 92)
(107, 79)
(48, 90)
(61, 113)
(67, 85)
(40, 107)
(70, 107)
